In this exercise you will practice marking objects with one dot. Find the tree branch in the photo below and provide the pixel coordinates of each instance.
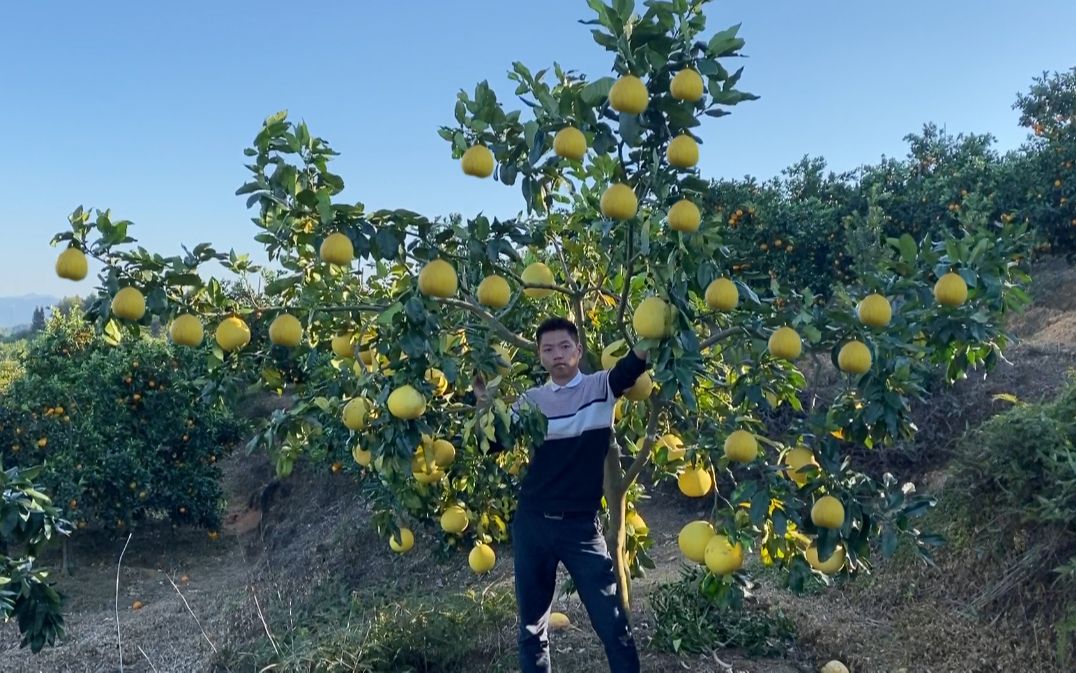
(648, 444)
(718, 336)
(629, 264)
(497, 325)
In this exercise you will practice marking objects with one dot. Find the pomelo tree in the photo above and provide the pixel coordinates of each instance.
(377, 322)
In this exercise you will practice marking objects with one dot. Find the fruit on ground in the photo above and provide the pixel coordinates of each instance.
(337, 249)
(874, 310)
(741, 446)
(686, 85)
(854, 358)
(186, 330)
(570, 143)
(951, 290)
(695, 482)
(651, 318)
(721, 556)
(402, 543)
(286, 331)
(406, 403)
(494, 291)
(628, 94)
(72, 265)
(537, 274)
(477, 161)
(684, 217)
(785, 343)
(232, 334)
(683, 151)
(129, 304)
(828, 512)
(722, 295)
(693, 539)
(438, 279)
(619, 202)
(356, 413)
(482, 558)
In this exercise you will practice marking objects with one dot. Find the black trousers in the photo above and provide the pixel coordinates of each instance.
(539, 543)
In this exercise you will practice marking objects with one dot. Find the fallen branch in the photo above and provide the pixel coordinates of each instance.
(262, 618)
(119, 564)
(184, 599)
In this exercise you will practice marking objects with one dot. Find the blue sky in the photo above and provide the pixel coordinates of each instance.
(146, 107)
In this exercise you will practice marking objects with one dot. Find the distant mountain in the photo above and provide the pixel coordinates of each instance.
(16, 311)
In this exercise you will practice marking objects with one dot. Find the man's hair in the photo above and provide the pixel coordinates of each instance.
(558, 324)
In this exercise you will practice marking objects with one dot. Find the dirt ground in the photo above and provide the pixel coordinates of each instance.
(200, 595)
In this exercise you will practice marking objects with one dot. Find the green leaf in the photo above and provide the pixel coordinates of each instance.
(908, 249)
(597, 91)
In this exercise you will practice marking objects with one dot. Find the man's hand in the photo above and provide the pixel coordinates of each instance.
(642, 348)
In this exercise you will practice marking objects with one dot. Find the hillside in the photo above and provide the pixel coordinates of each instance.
(297, 574)
(18, 311)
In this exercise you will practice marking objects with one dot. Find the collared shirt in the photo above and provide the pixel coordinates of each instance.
(576, 380)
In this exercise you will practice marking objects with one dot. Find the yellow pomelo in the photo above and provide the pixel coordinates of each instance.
(741, 446)
(362, 456)
(695, 482)
(356, 413)
(444, 453)
(636, 521)
(683, 151)
(686, 86)
(684, 216)
(438, 279)
(831, 565)
(539, 274)
(619, 202)
(494, 291)
(481, 559)
(286, 330)
(344, 345)
(951, 290)
(693, 539)
(628, 94)
(722, 557)
(406, 403)
(874, 310)
(828, 512)
(402, 543)
(186, 330)
(796, 459)
(232, 334)
(129, 304)
(477, 161)
(722, 295)
(570, 143)
(610, 353)
(558, 621)
(454, 520)
(437, 380)
(785, 343)
(641, 389)
(337, 249)
(650, 318)
(674, 446)
(854, 358)
(72, 265)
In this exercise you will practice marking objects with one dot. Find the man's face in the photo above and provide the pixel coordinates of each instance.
(560, 354)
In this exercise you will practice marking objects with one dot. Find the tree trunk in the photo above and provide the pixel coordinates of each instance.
(616, 501)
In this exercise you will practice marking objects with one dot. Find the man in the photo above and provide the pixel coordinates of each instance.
(556, 518)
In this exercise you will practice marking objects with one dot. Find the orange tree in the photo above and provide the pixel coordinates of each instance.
(120, 429)
(620, 233)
